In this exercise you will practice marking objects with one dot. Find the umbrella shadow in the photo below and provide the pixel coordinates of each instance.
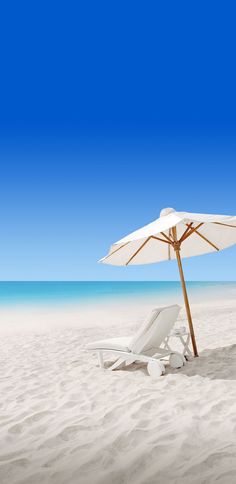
(215, 364)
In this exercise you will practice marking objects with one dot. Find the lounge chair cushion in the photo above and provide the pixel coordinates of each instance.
(119, 344)
(137, 340)
(154, 329)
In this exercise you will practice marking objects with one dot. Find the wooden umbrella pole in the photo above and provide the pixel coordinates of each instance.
(190, 322)
(176, 246)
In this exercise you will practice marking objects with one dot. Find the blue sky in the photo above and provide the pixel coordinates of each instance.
(110, 112)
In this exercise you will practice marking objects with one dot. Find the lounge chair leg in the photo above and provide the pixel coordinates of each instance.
(130, 361)
(100, 359)
(116, 364)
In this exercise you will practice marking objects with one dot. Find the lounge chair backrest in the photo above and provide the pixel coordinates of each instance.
(155, 329)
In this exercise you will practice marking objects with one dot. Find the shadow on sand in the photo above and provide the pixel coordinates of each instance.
(215, 364)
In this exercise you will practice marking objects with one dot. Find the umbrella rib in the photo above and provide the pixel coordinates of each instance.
(169, 247)
(185, 232)
(200, 235)
(225, 225)
(192, 230)
(167, 238)
(207, 240)
(137, 251)
(116, 250)
(143, 244)
(161, 240)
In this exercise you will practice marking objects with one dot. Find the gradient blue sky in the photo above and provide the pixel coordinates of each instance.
(110, 112)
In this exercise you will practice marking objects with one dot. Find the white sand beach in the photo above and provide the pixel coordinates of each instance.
(63, 420)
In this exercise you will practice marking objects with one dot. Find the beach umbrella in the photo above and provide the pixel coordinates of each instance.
(175, 235)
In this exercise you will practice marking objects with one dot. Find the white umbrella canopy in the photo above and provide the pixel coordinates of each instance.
(198, 233)
(173, 236)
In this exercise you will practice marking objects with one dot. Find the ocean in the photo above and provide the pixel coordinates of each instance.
(61, 292)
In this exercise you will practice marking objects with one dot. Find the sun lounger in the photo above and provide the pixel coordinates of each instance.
(145, 346)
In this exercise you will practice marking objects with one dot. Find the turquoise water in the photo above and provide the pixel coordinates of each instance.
(78, 292)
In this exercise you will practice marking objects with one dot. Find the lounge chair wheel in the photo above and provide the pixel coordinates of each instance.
(176, 360)
(156, 368)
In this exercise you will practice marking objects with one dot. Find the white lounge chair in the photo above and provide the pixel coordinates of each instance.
(146, 345)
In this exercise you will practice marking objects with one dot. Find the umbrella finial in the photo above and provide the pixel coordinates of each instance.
(166, 211)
